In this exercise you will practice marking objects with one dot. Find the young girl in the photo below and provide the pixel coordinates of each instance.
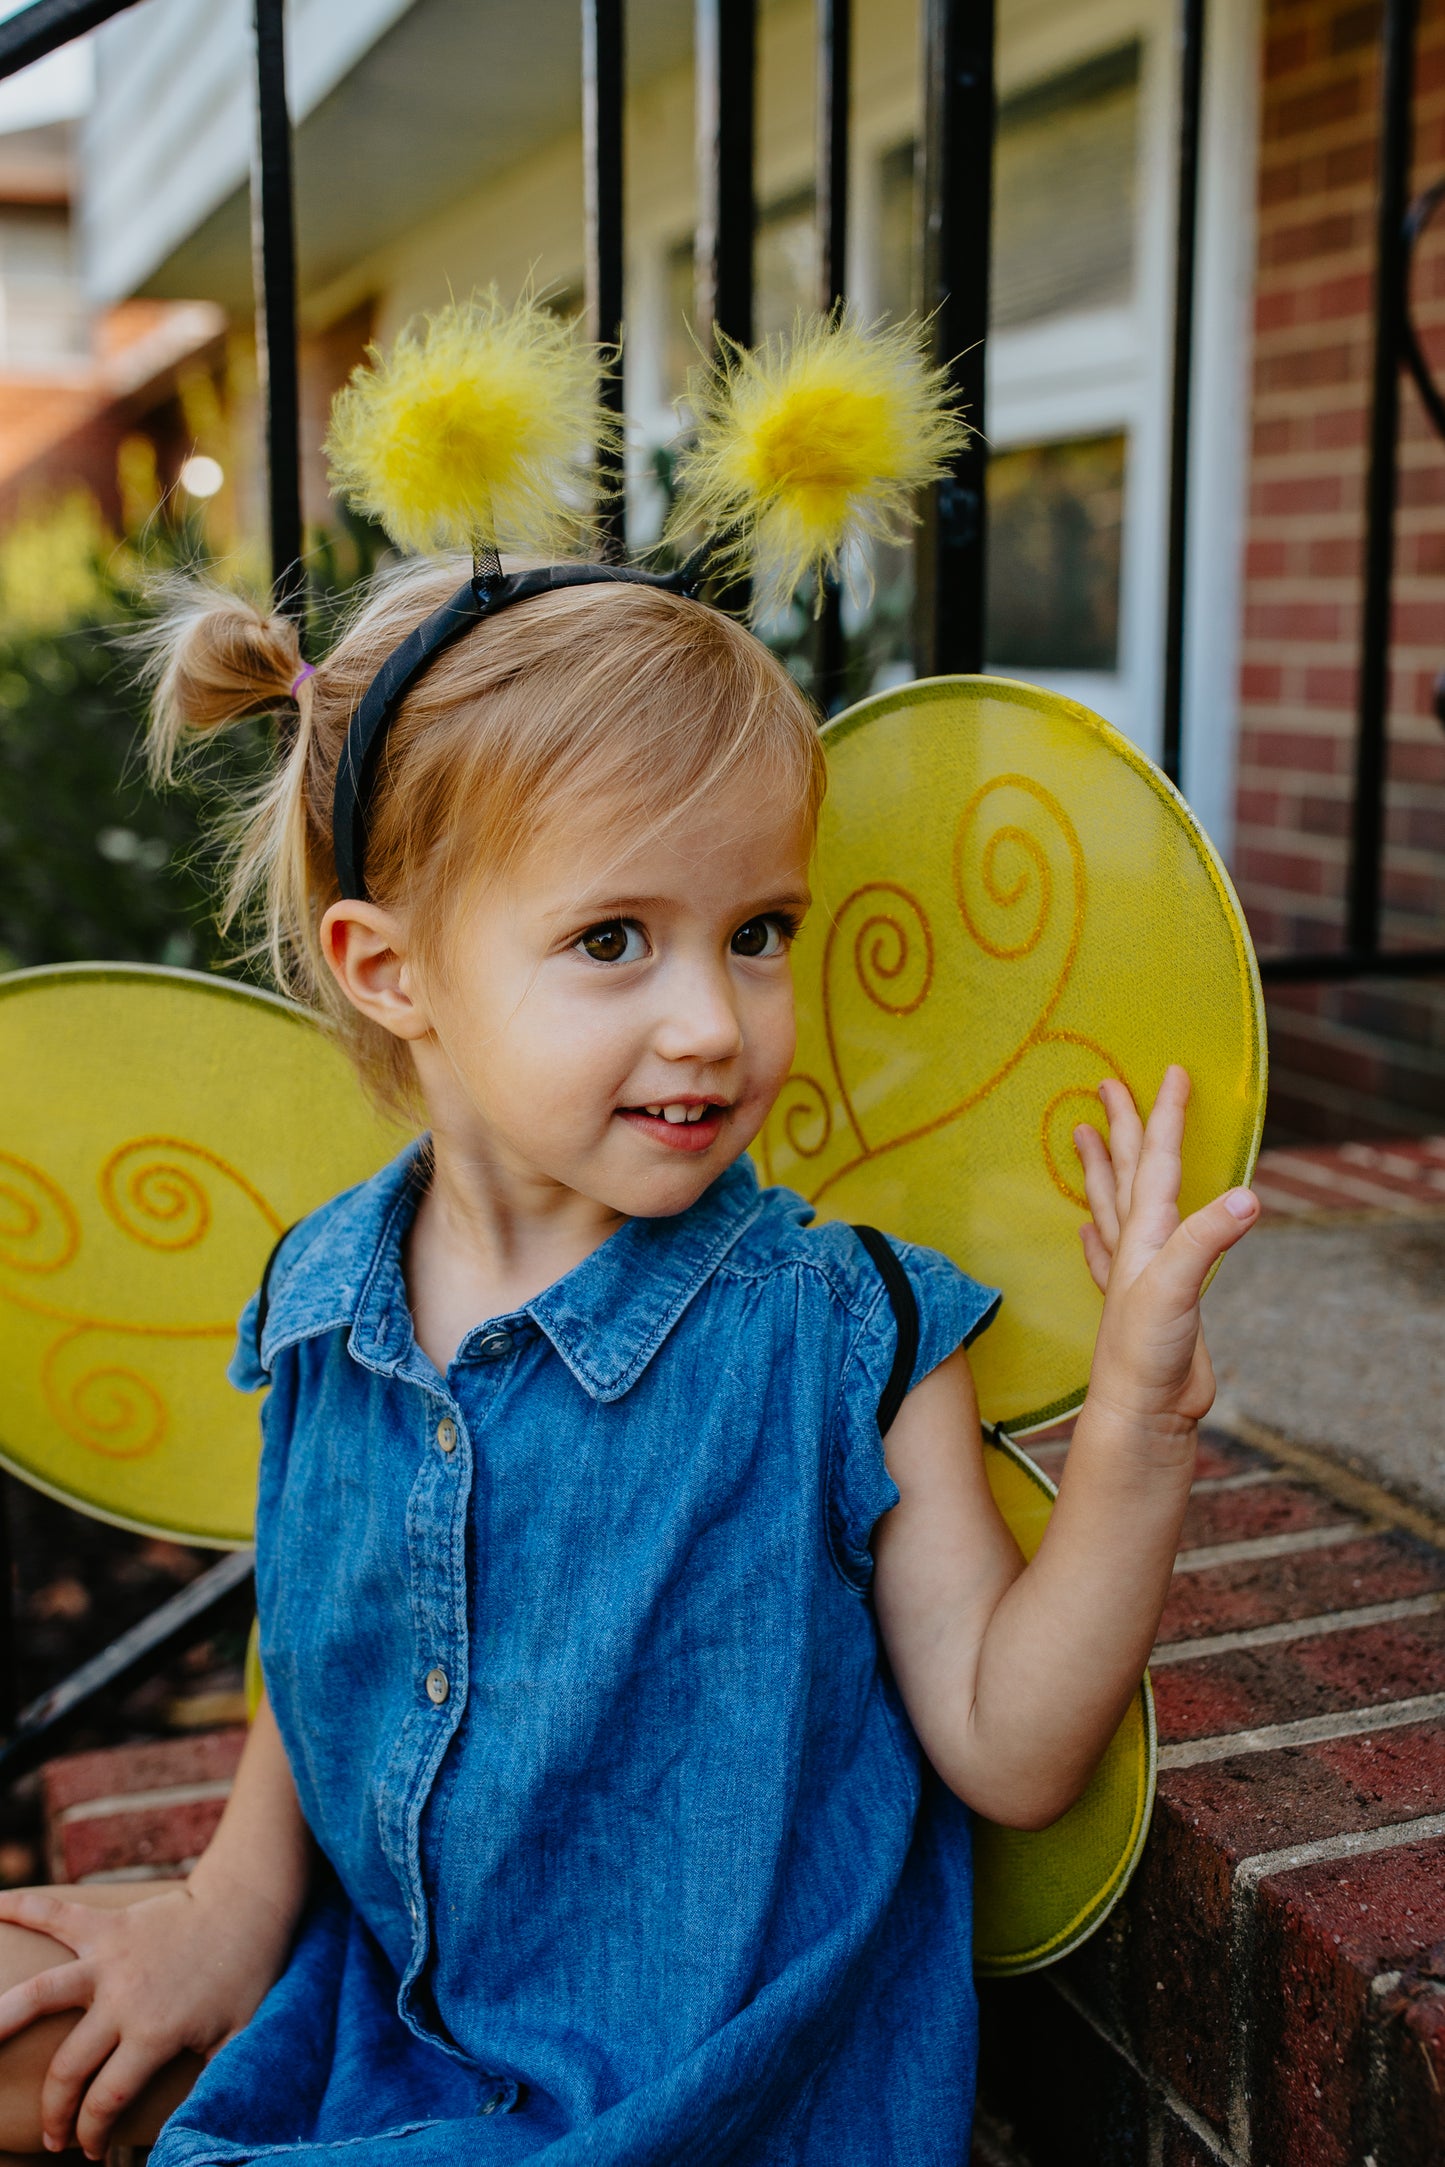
(625, 1697)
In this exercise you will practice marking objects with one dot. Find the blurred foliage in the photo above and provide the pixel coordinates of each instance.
(94, 864)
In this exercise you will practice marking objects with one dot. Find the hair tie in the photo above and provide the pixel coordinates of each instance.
(307, 669)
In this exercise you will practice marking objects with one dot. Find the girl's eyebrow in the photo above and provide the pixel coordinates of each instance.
(598, 909)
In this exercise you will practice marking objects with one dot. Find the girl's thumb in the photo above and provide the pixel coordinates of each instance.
(1199, 1241)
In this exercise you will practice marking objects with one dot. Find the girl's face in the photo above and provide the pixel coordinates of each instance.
(618, 1020)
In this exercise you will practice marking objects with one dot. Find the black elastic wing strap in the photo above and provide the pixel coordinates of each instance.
(482, 596)
(263, 1292)
(904, 1304)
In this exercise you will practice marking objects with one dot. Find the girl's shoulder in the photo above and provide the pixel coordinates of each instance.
(828, 1261)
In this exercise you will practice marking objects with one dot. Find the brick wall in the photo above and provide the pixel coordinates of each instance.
(1360, 1059)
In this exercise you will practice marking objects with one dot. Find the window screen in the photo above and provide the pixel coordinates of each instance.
(1064, 188)
(1055, 513)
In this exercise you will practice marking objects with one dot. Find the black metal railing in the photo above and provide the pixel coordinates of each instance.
(954, 203)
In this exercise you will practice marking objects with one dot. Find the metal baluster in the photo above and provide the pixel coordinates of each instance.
(273, 260)
(958, 37)
(726, 69)
(603, 107)
(1191, 81)
(1362, 922)
(835, 25)
(725, 63)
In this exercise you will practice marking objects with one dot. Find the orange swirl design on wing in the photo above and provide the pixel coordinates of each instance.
(1006, 876)
(157, 1191)
(39, 1231)
(153, 1196)
(110, 1408)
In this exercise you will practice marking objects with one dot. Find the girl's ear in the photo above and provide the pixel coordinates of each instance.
(366, 949)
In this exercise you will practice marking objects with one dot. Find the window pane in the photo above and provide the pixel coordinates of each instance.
(897, 249)
(1054, 518)
(1064, 183)
(785, 279)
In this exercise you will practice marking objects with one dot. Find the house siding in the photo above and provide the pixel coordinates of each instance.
(1368, 1058)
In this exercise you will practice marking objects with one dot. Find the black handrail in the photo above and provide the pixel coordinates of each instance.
(835, 75)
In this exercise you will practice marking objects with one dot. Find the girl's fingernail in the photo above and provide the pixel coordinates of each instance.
(1242, 1202)
(52, 2144)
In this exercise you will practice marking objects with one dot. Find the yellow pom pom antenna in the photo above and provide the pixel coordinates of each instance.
(475, 431)
(810, 442)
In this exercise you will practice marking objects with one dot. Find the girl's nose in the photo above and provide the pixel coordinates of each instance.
(700, 1021)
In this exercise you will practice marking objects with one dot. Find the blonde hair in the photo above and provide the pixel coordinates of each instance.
(625, 695)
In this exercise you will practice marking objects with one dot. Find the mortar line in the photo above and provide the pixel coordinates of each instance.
(1259, 1549)
(1157, 2086)
(1325, 1621)
(1252, 1479)
(1305, 1731)
(119, 1802)
(1338, 1482)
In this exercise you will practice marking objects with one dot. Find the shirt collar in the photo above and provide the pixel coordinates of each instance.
(606, 1318)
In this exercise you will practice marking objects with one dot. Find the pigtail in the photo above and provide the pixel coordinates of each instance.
(214, 660)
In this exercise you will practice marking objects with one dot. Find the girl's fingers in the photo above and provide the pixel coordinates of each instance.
(82, 2051)
(1156, 1184)
(66, 1986)
(1098, 1181)
(1097, 1256)
(113, 2087)
(47, 1914)
(1126, 1137)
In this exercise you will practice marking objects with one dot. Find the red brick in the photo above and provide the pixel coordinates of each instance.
(1207, 1822)
(1275, 1508)
(1335, 556)
(1339, 429)
(1331, 684)
(116, 1770)
(168, 1833)
(1260, 681)
(1227, 1598)
(1324, 1934)
(1294, 621)
(1360, 1668)
(1286, 52)
(1317, 108)
(1181, 2148)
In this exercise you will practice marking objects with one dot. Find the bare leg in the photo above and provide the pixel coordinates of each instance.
(25, 2058)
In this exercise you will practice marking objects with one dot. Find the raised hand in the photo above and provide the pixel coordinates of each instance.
(1151, 1365)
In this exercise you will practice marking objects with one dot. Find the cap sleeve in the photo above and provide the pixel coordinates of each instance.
(245, 1371)
(952, 1310)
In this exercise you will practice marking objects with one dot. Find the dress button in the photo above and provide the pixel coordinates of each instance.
(494, 1348)
(447, 1434)
(438, 1685)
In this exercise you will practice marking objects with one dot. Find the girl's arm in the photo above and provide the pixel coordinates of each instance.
(1016, 1677)
(186, 1969)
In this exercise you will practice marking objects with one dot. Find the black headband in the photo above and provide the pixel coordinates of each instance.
(483, 595)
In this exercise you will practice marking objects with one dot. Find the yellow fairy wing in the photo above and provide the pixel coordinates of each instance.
(158, 1130)
(1039, 1893)
(1012, 903)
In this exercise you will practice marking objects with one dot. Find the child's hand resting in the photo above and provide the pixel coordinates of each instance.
(181, 1970)
(1151, 1365)
(177, 1972)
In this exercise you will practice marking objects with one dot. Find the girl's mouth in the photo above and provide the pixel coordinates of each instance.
(680, 1124)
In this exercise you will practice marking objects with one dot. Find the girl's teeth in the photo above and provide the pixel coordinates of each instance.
(675, 1114)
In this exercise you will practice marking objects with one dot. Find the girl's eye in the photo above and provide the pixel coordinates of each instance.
(615, 942)
(760, 937)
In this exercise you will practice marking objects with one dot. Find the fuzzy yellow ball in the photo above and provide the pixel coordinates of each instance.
(808, 443)
(475, 430)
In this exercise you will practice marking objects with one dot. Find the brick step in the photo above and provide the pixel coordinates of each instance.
(1393, 1180)
(1271, 1990)
(137, 1813)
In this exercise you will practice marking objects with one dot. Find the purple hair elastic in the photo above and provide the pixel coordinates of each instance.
(307, 669)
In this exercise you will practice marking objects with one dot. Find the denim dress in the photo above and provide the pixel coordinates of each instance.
(628, 1851)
